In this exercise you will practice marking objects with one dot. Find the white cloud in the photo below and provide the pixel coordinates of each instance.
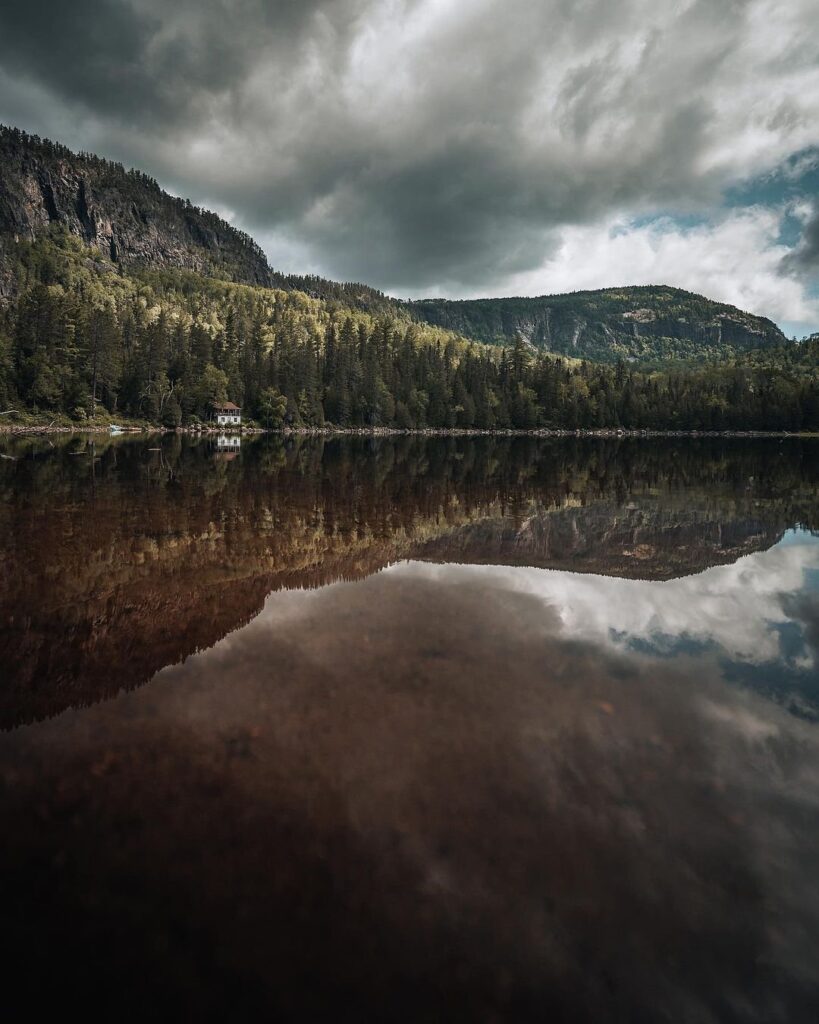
(737, 259)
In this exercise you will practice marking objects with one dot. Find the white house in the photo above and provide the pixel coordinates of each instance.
(227, 414)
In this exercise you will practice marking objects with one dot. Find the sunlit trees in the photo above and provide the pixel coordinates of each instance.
(167, 345)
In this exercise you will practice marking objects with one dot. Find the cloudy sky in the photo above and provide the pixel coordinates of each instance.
(459, 147)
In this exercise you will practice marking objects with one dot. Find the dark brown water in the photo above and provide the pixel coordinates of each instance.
(411, 730)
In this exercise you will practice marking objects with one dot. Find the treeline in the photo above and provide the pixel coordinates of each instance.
(164, 348)
(346, 293)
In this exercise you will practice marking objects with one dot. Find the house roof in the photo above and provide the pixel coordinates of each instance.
(228, 406)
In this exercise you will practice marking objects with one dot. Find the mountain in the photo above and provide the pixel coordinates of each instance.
(130, 221)
(648, 323)
(119, 300)
(123, 214)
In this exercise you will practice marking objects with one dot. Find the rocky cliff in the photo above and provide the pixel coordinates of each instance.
(122, 214)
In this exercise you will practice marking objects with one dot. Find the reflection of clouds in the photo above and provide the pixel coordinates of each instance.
(541, 828)
(752, 727)
(554, 794)
(739, 607)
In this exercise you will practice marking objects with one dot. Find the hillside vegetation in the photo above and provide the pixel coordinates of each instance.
(642, 324)
(116, 297)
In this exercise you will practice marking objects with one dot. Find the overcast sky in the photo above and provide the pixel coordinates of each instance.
(459, 147)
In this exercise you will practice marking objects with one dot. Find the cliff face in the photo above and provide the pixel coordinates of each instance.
(629, 323)
(124, 215)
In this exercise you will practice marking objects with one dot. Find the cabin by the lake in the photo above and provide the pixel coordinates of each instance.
(227, 414)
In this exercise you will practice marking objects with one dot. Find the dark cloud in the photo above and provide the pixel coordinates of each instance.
(91, 52)
(806, 255)
(417, 143)
(142, 63)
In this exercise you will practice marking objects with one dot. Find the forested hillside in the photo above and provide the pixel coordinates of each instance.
(162, 344)
(643, 324)
(116, 298)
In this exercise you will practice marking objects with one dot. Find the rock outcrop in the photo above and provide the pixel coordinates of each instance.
(122, 214)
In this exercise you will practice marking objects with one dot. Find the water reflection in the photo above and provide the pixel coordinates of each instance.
(122, 557)
(756, 620)
(557, 761)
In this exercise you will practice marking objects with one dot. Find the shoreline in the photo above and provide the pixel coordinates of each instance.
(30, 430)
(600, 432)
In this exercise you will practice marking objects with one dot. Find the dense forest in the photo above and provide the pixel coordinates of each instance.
(165, 344)
(119, 300)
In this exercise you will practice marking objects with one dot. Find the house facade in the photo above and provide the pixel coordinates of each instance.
(227, 414)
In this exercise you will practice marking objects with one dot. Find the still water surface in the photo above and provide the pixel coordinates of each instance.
(414, 729)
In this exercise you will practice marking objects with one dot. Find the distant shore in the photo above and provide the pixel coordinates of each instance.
(33, 430)
(602, 432)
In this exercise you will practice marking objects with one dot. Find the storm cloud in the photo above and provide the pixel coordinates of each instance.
(805, 257)
(430, 145)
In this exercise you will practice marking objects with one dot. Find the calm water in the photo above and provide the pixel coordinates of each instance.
(412, 730)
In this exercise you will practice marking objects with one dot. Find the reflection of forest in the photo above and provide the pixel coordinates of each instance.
(120, 559)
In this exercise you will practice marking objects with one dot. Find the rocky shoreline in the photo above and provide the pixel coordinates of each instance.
(602, 432)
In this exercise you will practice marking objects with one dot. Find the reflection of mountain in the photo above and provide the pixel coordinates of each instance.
(638, 543)
(114, 569)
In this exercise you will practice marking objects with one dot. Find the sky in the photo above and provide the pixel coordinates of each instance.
(459, 147)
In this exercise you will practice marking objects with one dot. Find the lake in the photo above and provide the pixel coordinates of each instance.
(411, 729)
